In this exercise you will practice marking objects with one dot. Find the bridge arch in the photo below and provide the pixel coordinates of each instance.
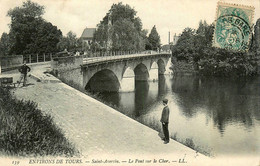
(141, 72)
(103, 81)
(153, 72)
(128, 80)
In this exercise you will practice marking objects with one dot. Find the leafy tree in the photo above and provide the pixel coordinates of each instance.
(120, 29)
(82, 45)
(45, 39)
(204, 34)
(256, 38)
(4, 44)
(154, 39)
(202, 39)
(72, 43)
(184, 48)
(95, 46)
(29, 32)
(125, 37)
(69, 42)
(101, 36)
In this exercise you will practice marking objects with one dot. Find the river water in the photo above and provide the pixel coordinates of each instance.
(216, 116)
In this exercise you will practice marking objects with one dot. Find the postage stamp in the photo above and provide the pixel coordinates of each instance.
(233, 26)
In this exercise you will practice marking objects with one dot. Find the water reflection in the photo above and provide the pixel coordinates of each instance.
(162, 88)
(220, 110)
(141, 95)
(226, 101)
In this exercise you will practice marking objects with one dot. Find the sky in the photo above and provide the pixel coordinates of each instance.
(167, 15)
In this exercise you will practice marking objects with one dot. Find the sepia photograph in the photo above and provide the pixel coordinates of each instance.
(130, 82)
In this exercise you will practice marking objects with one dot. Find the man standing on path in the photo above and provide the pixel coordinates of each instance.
(24, 69)
(165, 121)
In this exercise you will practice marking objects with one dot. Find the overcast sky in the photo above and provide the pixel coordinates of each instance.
(167, 15)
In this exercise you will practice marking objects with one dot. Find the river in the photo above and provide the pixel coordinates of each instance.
(215, 116)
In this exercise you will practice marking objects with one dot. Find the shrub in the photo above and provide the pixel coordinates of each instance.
(25, 130)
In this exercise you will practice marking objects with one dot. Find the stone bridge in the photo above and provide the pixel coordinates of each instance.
(111, 73)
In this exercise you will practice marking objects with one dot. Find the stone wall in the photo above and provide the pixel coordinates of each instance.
(68, 69)
(11, 61)
(73, 78)
(66, 63)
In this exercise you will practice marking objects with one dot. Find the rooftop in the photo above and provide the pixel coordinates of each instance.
(88, 33)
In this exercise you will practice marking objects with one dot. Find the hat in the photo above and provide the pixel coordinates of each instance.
(165, 101)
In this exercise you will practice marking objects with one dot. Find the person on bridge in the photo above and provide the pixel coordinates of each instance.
(165, 121)
(24, 69)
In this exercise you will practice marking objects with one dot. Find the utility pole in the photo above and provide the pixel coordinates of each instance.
(169, 38)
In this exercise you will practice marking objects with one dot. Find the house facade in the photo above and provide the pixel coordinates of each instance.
(88, 35)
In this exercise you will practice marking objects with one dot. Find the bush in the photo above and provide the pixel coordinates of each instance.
(24, 130)
(189, 142)
(230, 64)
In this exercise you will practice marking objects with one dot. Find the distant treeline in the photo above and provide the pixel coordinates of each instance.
(195, 46)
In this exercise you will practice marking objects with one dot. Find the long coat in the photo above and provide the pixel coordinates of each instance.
(165, 115)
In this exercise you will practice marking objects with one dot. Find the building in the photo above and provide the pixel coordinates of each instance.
(88, 35)
(175, 39)
(168, 47)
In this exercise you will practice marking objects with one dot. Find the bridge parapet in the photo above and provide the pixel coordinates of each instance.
(68, 69)
(66, 63)
(107, 59)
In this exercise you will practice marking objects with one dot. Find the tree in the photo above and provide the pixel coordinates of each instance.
(204, 34)
(29, 32)
(120, 29)
(71, 43)
(45, 39)
(68, 42)
(82, 46)
(184, 48)
(154, 39)
(256, 38)
(4, 44)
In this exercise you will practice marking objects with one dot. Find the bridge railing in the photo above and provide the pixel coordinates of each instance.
(120, 55)
(14, 61)
(116, 53)
(36, 58)
(10, 62)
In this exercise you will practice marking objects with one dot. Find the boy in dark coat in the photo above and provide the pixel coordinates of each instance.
(165, 121)
(24, 69)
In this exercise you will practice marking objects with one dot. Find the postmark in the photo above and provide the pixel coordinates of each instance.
(233, 26)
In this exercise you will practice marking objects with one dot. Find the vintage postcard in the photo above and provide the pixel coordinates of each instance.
(130, 82)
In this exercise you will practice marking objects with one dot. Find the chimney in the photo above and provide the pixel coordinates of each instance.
(169, 37)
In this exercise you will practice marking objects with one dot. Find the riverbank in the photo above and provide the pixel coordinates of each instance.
(99, 131)
(28, 132)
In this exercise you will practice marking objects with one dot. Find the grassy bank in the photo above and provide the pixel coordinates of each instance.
(26, 131)
(189, 142)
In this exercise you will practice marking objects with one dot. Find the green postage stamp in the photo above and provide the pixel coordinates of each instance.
(233, 26)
